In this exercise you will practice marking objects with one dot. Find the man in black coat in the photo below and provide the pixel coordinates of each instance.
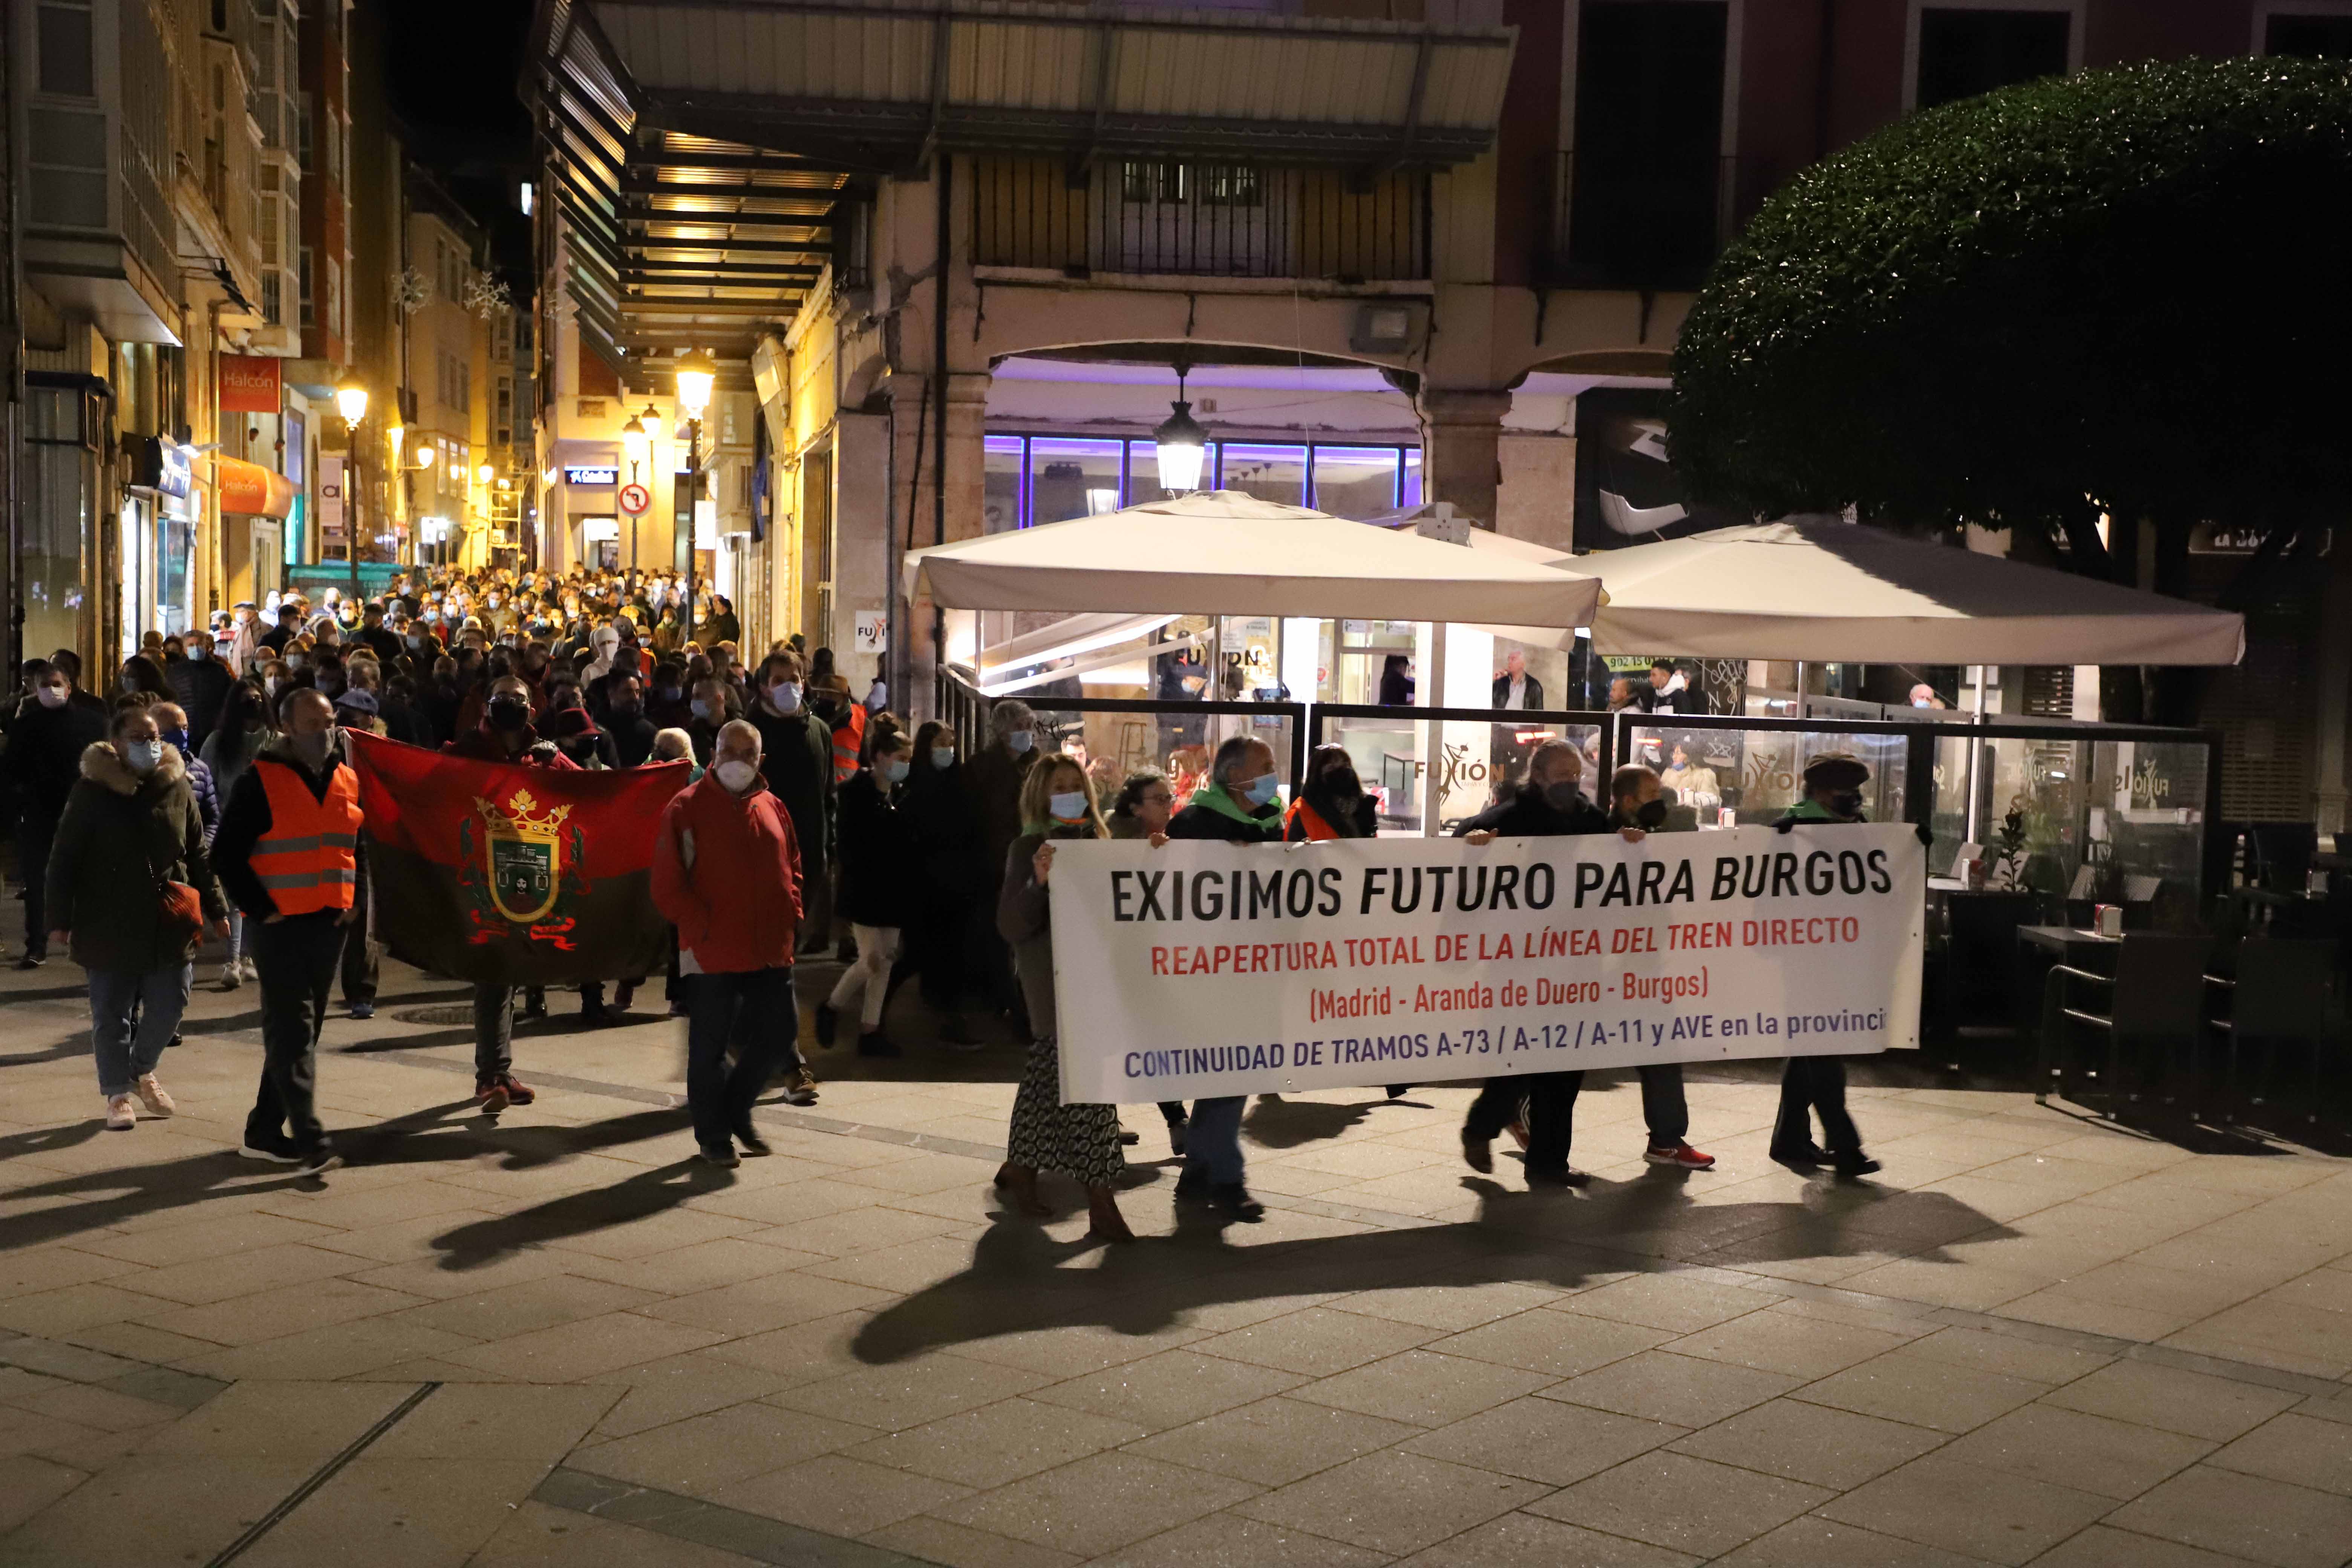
(626, 721)
(199, 683)
(1515, 687)
(43, 760)
(1551, 804)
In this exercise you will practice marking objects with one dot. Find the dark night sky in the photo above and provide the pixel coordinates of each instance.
(452, 66)
(452, 70)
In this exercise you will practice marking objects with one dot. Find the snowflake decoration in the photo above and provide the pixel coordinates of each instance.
(487, 296)
(411, 291)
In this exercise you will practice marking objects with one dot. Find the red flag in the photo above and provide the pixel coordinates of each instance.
(510, 875)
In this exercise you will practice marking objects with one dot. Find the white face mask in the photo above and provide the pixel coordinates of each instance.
(50, 696)
(785, 696)
(736, 775)
(141, 756)
(1019, 741)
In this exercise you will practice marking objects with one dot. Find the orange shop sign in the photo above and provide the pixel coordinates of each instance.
(251, 489)
(248, 384)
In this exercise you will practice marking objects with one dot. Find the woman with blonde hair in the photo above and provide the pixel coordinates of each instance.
(1058, 801)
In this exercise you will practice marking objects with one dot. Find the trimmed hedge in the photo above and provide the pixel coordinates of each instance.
(2134, 285)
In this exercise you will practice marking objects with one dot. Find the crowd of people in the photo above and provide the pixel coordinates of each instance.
(210, 792)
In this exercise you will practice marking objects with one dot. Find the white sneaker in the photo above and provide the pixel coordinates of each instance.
(250, 971)
(231, 976)
(120, 1117)
(151, 1095)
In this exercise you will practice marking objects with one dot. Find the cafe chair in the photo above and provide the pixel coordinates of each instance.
(2155, 1002)
(1976, 975)
(2279, 998)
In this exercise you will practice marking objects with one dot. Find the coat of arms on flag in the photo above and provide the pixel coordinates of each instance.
(510, 875)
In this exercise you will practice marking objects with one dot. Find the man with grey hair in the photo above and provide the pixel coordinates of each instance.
(727, 871)
(994, 778)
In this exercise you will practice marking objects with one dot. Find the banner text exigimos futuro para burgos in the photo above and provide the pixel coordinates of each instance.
(1213, 969)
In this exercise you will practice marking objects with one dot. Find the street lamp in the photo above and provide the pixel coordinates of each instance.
(1182, 443)
(637, 442)
(696, 371)
(352, 402)
(484, 473)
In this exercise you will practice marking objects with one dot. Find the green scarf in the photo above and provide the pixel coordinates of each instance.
(1213, 797)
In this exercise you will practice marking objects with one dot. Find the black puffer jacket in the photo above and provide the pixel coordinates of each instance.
(876, 839)
(119, 834)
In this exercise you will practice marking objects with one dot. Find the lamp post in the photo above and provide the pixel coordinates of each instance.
(350, 402)
(696, 371)
(636, 442)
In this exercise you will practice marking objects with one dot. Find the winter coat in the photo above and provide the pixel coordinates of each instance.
(949, 854)
(796, 757)
(200, 785)
(875, 838)
(199, 686)
(226, 753)
(726, 872)
(120, 833)
(994, 778)
(1236, 824)
(45, 755)
(1024, 919)
(1527, 814)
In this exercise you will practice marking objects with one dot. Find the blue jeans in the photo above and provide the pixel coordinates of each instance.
(1213, 1141)
(757, 1012)
(235, 935)
(132, 1017)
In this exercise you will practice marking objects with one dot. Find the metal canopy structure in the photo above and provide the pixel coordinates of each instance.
(672, 239)
(709, 158)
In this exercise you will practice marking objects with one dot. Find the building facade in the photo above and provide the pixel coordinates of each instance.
(1435, 252)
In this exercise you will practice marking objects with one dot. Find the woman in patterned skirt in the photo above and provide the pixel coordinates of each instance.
(1057, 801)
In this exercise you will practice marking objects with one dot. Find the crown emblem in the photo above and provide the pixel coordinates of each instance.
(520, 817)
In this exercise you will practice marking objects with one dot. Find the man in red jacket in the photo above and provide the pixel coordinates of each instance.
(726, 873)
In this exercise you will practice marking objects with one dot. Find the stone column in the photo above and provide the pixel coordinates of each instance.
(914, 514)
(1461, 433)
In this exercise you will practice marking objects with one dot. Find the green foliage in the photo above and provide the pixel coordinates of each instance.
(2133, 285)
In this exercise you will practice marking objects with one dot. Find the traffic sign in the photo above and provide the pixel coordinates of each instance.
(635, 500)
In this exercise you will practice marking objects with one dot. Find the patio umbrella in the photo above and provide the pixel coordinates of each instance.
(1223, 552)
(1819, 589)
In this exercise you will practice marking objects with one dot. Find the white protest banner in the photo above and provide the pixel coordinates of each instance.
(1201, 969)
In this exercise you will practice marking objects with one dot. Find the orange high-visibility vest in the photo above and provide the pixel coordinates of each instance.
(309, 857)
(848, 741)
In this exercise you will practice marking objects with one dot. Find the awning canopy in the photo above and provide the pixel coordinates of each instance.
(250, 490)
(1826, 589)
(706, 157)
(1222, 552)
(889, 81)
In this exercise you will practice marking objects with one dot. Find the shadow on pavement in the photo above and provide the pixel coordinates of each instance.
(1016, 1281)
(421, 1137)
(577, 1214)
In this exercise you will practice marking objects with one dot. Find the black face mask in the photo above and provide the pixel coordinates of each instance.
(1564, 795)
(1846, 803)
(1651, 813)
(509, 713)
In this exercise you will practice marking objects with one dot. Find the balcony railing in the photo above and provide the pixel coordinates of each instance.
(1224, 220)
(1629, 224)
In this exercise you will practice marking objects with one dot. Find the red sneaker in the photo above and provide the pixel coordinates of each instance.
(519, 1093)
(1681, 1155)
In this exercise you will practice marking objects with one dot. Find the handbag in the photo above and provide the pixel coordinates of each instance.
(180, 908)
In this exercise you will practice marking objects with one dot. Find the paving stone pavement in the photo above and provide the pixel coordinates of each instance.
(551, 1339)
